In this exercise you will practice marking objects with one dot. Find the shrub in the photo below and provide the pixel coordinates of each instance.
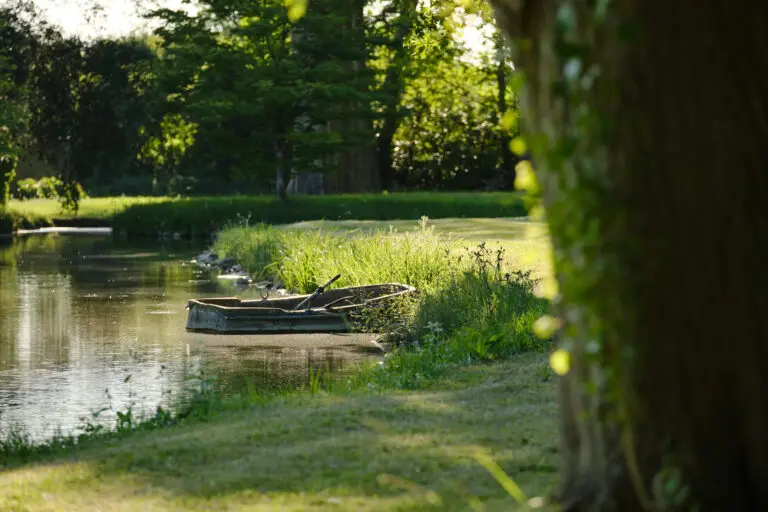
(49, 187)
(26, 189)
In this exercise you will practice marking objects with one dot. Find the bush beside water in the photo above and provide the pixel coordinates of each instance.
(48, 187)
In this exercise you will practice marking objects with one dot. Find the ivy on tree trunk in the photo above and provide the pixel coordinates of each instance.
(647, 120)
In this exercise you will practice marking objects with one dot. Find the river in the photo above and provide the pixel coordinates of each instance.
(90, 325)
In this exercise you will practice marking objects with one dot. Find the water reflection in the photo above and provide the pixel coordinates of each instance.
(90, 324)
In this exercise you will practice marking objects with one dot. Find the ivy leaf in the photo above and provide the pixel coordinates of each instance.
(560, 361)
(546, 326)
(518, 146)
(524, 177)
(296, 9)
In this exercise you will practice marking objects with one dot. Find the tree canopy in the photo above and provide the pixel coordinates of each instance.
(242, 96)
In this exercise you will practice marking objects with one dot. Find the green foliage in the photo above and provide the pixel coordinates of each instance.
(27, 189)
(112, 87)
(237, 98)
(49, 187)
(89, 107)
(14, 66)
(451, 137)
(413, 38)
(76, 105)
(259, 89)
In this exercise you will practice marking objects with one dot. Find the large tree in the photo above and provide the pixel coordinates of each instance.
(647, 120)
(17, 52)
(262, 90)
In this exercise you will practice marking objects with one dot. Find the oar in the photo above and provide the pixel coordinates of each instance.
(318, 292)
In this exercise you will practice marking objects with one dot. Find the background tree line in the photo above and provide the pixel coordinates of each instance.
(239, 97)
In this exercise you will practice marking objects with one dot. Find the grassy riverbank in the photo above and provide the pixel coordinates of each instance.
(200, 216)
(399, 435)
(352, 451)
(473, 305)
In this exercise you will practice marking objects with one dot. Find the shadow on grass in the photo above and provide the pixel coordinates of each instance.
(404, 451)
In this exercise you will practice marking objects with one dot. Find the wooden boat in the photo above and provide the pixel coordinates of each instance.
(339, 310)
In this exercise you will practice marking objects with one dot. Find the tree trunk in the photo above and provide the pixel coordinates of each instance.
(507, 170)
(384, 152)
(648, 123)
(280, 173)
(393, 86)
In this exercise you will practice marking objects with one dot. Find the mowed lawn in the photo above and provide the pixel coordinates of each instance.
(92, 207)
(201, 216)
(391, 451)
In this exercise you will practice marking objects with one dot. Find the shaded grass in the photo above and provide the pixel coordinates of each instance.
(202, 216)
(350, 451)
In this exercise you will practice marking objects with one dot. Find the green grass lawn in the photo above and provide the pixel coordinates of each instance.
(388, 451)
(198, 216)
(92, 207)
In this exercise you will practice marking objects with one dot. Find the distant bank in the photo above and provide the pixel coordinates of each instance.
(197, 217)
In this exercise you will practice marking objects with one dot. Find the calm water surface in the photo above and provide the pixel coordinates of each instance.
(91, 324)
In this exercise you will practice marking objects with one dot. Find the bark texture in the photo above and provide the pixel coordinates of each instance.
(684, 101)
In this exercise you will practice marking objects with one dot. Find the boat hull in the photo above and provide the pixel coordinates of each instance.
(228, 315)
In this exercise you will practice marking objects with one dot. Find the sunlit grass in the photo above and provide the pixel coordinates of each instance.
(91, 207)
(393, 451)
(200, 216)
(526, 243)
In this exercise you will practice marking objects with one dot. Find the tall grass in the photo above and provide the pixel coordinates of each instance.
(303, 260)
(471, 305)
